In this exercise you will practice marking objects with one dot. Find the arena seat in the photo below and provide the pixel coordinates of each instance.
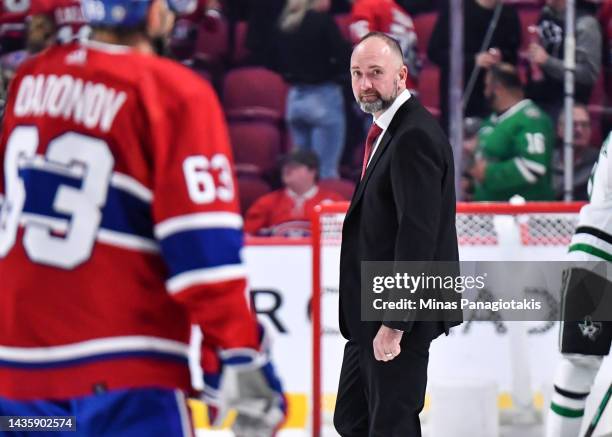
(250, 188)
(254, 93)
(256, 146)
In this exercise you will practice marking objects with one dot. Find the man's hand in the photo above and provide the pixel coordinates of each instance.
(537, 54)
(387, 343)
(478, 169)
(488, 58)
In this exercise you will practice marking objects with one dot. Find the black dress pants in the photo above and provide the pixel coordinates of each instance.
(384, 399)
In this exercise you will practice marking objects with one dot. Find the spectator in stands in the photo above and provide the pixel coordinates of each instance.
(286, 212)
(8, 67)
(585, 155)
(312, 56)
(515, 143)
(261, 34)
(388, 17)
(546, 81)
(478, 16)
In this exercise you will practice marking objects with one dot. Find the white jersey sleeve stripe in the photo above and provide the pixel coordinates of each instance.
(534, 166)
(180, 282)
(204, 220)
(132, 186)
(92, 348)
(527, 175)
(127, 241)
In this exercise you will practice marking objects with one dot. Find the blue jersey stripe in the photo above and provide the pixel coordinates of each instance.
(123, 212)
(94, 359)
(202, 248)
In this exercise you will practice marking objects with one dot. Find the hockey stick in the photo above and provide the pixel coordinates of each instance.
(599, 412)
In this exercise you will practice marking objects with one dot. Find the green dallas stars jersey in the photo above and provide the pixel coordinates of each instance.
(518, 148)
(594, 231)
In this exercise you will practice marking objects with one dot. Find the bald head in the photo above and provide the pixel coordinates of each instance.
(378, 73)
(374, 40)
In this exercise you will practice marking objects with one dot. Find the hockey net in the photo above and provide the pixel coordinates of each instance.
(485, 231)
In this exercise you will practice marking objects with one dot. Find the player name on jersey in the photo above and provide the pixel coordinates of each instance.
(91, 104)
(69, 15)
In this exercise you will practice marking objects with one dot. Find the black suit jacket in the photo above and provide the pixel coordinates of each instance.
(402, 210)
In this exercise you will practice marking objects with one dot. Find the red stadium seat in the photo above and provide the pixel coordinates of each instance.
(254, 93)
(423, 26)
(341, 186)
(250, 188)
(240, 52)
(429, 92)
(256, 146)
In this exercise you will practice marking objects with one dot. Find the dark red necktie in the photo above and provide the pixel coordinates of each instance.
(373, 133)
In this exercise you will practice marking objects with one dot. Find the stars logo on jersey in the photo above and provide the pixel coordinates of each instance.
(590, 329)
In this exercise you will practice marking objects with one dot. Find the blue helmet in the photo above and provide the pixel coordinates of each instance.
(128, 13)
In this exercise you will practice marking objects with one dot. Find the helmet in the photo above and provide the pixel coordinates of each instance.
(127, 13)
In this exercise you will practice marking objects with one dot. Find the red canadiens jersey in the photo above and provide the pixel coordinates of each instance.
(119, 224)
(388, 17)
(282, 213)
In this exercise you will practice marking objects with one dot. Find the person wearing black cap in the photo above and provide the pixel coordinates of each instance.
(285, 212)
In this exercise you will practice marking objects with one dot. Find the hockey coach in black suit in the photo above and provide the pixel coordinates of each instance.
(403, 209)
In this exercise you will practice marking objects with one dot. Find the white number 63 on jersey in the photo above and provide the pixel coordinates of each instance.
(83, 205)
(201, 183)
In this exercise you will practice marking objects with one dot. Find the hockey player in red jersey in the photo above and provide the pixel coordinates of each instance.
(119, 228)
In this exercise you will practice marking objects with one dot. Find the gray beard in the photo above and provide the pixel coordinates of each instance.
(379, 104)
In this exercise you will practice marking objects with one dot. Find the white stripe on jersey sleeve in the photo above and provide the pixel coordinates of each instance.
(106, 236)
(127, 241)
(203, 220)
(534, 166)
(180, 282)
(95, 347)
(132, 186)
(527, 175)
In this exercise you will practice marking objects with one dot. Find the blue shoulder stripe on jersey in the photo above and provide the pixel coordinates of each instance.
(93, 359)
(123, 212)
(41, 188)
(127, 213)
(201, 248)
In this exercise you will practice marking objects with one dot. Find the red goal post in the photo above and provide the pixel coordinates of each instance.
(495, 228)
